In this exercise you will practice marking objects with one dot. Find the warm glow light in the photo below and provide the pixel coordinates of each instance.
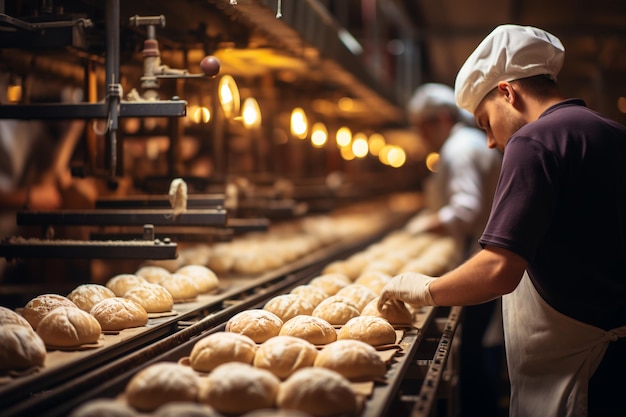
(319, 135)
(344, 137)
(251, 113)
(14, 93)
(346, 153)
(432, 159)
(201, 115)
(382, 155)
(396, 157)
(229, 96)
(621, 104)
(376, 142)
(345, 104)
(359, 145)
(299, 123)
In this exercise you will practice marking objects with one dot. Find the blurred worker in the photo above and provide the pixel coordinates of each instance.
(555, 243)
(458, 197)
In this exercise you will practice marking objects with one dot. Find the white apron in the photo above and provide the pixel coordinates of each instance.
(550, 356)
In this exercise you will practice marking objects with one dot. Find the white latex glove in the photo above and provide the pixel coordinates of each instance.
(410, 287)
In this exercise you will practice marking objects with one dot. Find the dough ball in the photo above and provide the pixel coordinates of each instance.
(283, 355)
(102, 407)
(330, 283)
(20, 347)
(236, 388)
(314, 295)
(8, 316)
(374, 280)
(395, 313)
(369, 329)
(319, 392)
(360, 295)
(287, 306)
(38, 307)
(68, 327)
(221, 347)
(152, 273)
(120, 284)
(353, 359)
(119, 313)
(161, 383)
(181, 287)
(205, 279)
(259, 325)
(336, 310)
(312, 329)
(86, 296)
(185, 409)
(154, 298)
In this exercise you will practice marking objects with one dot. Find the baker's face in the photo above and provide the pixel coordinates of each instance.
(434, 129)
(499, 119)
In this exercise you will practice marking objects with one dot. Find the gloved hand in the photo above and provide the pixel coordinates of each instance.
(422, 223)
(410, 287)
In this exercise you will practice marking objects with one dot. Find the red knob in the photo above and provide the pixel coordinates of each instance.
(210, 65)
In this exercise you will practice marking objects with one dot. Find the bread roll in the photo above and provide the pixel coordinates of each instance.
(68, 327)
(38, 307)
(314, 295)
(8, 316)
(221, 347)
(85, 296)
(330, 283)
(205, 279)
(20, 348)
(287, 306)
(319, 392)
(161, 383)
(283, 355)
(181, 287)
(121, 283)
(369, 329)
(185, 409)
(259, 325)
(374, 280)
(154, 298)
(353, 359)
(395, 313)
(153, 273)
(119, 313)
(360, 295)
(312, 329)
(236, 388)
(336, 310)
(103, 407)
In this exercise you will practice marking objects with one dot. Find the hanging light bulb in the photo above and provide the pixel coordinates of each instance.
(319, 135)
(299, 123)
(376, 142)
(344, 136)
(229, 96)
(359, 145)
(251, 113)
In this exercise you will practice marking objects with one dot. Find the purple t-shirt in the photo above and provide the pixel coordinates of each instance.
(561, 205)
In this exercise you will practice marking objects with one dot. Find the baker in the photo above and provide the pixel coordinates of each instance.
(555, 243)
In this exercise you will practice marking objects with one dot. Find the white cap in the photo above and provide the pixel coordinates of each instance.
(508, 53)
(432, 96)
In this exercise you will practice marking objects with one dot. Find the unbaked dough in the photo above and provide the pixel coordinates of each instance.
(160, 383)
(259, 325)
(236, 388)
(283, 355)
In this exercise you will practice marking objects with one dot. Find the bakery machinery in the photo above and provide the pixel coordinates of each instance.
(263, 235)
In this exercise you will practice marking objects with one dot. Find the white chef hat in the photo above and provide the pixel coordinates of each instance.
(432, 96)
(508, 53)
